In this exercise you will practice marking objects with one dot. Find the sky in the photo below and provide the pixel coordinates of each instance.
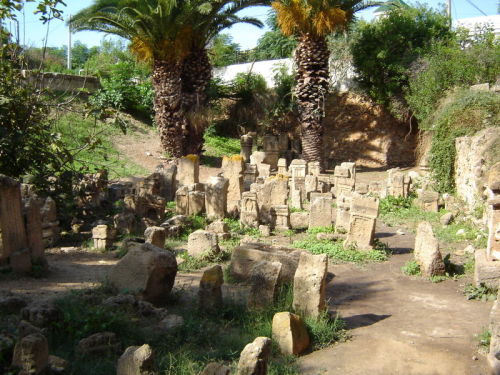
(245, 35)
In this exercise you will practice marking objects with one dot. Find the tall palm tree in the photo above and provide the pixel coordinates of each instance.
(197, 69)
(311, 21)
(160, 32)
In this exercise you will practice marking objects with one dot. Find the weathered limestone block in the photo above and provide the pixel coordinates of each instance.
(210, 291)
(41, 313)
(249, 210)
(146, 270)
(12, 227)
(233, 168)
(34, 229)
(167, 181)
(298, 172)
(202, 242)
(245, 256)
(493, 249)
(427, 252)
(254, 357)
(265, 230)
(311, 185)
(321, 213)
(98, 344)
(428, 200)
(31, 354)
(150, 207)
(249, 176)
(246, 142)
(220, 228)
(216, 369)
(314, 168)
(398, 183)
(125, 223)
(155, 236)
(271, 151)
(216, 198)
(345, 178)
(364, 212)
(274, 192)
(102, 236)
(290, 332)
(486, 271)
(282, 168)
(281, 217)
(136, 360)
(189, 170)
(264, 281)
(50, 224)
(299, 220)
(58, 365)
(343, 219)
(309, 285)
(315, 195)
(296, 199)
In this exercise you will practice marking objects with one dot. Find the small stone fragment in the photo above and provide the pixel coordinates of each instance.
(254, 357)
(290, 332)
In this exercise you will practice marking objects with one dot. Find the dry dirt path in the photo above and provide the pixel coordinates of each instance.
(400, 325)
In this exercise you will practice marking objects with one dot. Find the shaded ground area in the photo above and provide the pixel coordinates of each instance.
(401, 325)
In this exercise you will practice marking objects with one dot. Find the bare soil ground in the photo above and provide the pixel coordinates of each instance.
(399, 324)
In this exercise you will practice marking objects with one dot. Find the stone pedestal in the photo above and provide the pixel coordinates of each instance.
(364, 212)
(271, 150)
(189, 170)
(246, 142)
(233, 168)
(216, 198)
(249, 210)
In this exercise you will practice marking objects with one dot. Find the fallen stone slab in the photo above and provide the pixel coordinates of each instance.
(486, 271)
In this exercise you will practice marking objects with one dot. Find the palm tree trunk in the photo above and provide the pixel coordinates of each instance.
(169, 114)
(311, 57)
(196, 76)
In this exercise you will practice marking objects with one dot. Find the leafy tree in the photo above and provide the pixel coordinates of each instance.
(311, 22)
(273, 44)
(223, 51)
(384, 50)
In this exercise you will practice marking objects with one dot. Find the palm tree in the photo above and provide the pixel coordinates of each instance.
(160, 32)
(311, 21)
(197, 69)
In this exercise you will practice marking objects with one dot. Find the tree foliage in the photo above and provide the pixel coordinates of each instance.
(384, 50)
(224, 51)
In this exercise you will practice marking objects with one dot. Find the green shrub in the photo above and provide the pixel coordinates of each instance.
(384, 50)
(484, 339)
(481, 292)
(324, 331)
(411, 268)
(462, 113)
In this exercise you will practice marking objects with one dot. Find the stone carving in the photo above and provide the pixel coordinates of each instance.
(321, 213)
(249, 210)
(216, 198)
(364, 212)
(281, 217)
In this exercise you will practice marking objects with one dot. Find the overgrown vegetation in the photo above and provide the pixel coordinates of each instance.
(338, 253)
(411, 268)
(481, 292)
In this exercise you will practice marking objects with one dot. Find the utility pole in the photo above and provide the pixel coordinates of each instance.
(69, 65)
(449, 12)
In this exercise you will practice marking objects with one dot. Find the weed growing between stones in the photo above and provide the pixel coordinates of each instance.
(411, 268)
(191, 263)
(484, 339)
(317, 230)
(481, 292)
(236, 229)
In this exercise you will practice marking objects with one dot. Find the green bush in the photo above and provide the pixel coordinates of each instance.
(462, 113)
(384, 50)
(411, 268)
(450, 65)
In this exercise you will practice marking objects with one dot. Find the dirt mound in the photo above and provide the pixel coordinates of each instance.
(357, 129)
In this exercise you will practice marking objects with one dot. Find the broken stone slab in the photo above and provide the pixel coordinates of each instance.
(309, 285)
(41, 313)
(280, 217)
(210, 291)
(254, 357)
(31, 354)
(265, 230)
(246, 142)
(136, 360)
(427, 252)
(216, 369)
(299, 220)
(58, 365)
(321, 213)
(202, 242)
(233, 168)
(428, 200)
(156, 236)
(274, 192)
(249, 210)
(446, 219)
(216, 198)
(296, 199)
(101, 343)
(363, 215)
(245, 256)
(486, 271)
(146, 270)
(343, 217)
(188, 170)
(264, 281)
(290, 333)
(102, 236)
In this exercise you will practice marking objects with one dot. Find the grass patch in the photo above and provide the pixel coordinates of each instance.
(191, 263)
(337, 252)
(411, 268)
(317, 230)
(219, 146)
(484, 339)
(90, 143)
(235, 228)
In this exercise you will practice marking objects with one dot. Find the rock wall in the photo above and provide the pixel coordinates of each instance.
(358, 130)
(62, 82)
(475, 155)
